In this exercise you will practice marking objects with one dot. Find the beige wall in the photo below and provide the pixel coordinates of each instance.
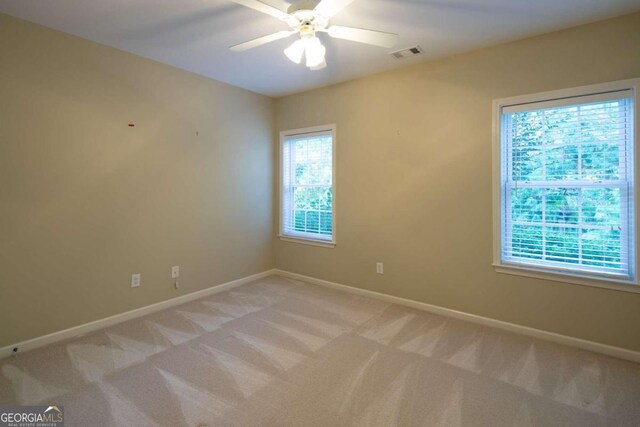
(86, 201)
(414, 180)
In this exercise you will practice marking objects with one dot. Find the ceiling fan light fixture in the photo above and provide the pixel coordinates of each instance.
(320, 66)
(295, 51)
(315, 52)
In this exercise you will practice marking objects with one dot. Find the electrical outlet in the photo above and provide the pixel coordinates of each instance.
(135, 280)
(175, 271)
(379, 268)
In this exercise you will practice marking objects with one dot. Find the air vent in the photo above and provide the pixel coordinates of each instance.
(405, 53)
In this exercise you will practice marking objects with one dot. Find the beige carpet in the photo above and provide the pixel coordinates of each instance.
(278, 352)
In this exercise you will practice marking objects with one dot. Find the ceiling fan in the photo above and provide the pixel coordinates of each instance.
(308, 17)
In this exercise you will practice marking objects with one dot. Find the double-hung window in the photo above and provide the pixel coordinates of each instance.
(307, 198)
(565, 184)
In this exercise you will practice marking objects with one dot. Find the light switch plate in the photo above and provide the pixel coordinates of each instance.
(135, 280)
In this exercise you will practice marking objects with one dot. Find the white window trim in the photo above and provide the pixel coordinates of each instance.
(549, 273)
(303, 239)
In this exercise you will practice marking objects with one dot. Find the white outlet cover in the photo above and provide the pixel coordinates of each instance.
(135, 280)
(379, 268)
(175, 271)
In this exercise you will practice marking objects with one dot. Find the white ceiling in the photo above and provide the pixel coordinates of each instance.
(195, 34)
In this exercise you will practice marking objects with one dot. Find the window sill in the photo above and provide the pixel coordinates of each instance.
(575, 279)
(312, 242)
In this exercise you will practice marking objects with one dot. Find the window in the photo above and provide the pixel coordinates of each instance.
(566, 184)
(307, 185)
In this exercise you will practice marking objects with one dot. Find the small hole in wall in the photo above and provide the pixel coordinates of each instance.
(131, 125)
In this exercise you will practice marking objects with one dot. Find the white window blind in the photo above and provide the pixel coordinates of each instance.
(567, 184)
(307, 185)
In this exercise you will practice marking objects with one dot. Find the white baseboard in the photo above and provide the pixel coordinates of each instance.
(118, 318)
(75, 331)
(609, 350)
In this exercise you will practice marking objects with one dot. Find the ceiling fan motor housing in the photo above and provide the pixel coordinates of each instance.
(307, 30)
(302, 16)
(303, 5)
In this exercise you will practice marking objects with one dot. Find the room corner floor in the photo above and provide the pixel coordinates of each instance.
(278, 352)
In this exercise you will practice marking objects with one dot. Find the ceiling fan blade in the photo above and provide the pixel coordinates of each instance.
(329, 8)
(377, 38)
(263, 7)
(261, 40)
